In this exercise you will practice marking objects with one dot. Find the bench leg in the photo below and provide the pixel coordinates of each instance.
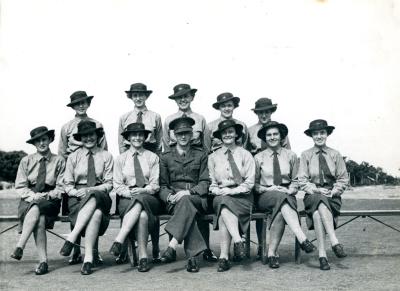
(132, 251)
(248, 243)
(264, 230)
(297, 250)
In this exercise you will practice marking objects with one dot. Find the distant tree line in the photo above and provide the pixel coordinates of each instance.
(9, 162)
(366, 174)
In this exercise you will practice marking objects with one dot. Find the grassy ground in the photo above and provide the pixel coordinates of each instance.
(373, 262)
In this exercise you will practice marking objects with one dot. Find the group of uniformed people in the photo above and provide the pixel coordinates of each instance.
(185, 168)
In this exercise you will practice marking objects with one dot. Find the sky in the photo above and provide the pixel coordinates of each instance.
(336, 60)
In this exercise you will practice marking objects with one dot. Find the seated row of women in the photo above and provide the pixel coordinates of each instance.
(183, 180)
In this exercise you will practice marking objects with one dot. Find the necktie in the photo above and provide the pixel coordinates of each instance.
(323, 169)
(277, 170)
(140, 182)
(91, 172)
(41, 177)
(237, 177)
(139, 117)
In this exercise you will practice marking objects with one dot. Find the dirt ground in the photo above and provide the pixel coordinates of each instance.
(373, 261)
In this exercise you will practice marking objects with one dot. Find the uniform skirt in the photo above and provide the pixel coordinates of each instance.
(312, 201)
(151, 205)
(272, 202)
(103, 202)
(240, 205)
(49, 208)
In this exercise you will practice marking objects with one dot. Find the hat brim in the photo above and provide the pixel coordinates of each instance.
(49, 133)
(71, 104)
(147, 92)
(183, 129)
(126, 133)
(328, 128)
(272, 107)
(283, 131)
(186, 119)
(235, 100)
(238, 128)
(99, 131)
(183, 92)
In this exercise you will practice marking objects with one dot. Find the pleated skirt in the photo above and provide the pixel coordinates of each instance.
(312, 201)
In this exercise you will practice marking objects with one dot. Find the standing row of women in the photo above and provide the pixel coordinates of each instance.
(184, 179)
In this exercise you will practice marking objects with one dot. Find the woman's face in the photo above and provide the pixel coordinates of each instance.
(81, 107)
(89, 140)
(273, 137)
(184, 101)
(319, 137)
(136, 139)
(264, 116)
(227, 108)
(229, 135)
(139, 99)
(42, 144)
(183, 138)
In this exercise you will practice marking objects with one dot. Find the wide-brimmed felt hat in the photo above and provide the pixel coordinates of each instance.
(283, 130)
(226, 124)
(319, 124)
(182, 124)
(264, 104)
(182, 89)
(224, 97)
(86, 127)
(135, 127)
(39, 132)
(77, 97)
(138, 88)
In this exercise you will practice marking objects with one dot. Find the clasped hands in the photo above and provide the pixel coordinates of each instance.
(326, 192)
(135, 191)
(174, 198)
(289, 191)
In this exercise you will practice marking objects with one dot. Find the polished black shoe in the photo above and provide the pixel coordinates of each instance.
(209, 256)
(86, 268)
(97, 259)
(223, 265)
(307, 246)
(42, 269)
(238, 251)
(143, 265)
(116, 248)
(17, 253)
(273, 262)
(323, 264)
(192, 266)
(156, 256)
(123, 258)
(75, 259)
(339, 251)
(168, 256)
(67, 248)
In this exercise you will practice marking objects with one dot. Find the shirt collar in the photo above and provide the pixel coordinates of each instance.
(133, 151)
(225, 149)
(317, 149)
(187, 112)
(38, 156)
(270, 152)
(93, 150)
(137, 110)
(81, 116)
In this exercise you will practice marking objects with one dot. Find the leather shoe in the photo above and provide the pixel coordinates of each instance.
(192, 266)
(238, 251)
(143, 265)
(168, 256)
(116, 248)
(307, 246)
(75, 259)
(17, 253)
(86, 268)
(339, 251)
(42, 269)
(97, 259)
(323, 264)
(223, 265)
(209, 256)
(122, 259)
(273, 262)
(67, 248)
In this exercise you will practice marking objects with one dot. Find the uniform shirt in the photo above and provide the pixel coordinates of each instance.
(201, 134)
(287, 163)
(255, 141)
(221, 173)
(151, 121)
(216, 143)
(309, 169)
(28, 171)
(77, 167)
(124, 171)
(67, 142)
(176, 169)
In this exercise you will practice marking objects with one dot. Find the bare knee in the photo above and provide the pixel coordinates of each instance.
(278, 217)
(143, 216)
(42, 221)
(316, 215)
(97, 215)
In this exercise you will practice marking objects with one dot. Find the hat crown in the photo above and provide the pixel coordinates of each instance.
(38, 130)
(138, 87)
(318, 123)
(262, 102)
(180, 87)
(78, 95)
(86, 125)
(271, 123)
(136, 126)
(183, 122)
(225, 124)
(224, 96)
